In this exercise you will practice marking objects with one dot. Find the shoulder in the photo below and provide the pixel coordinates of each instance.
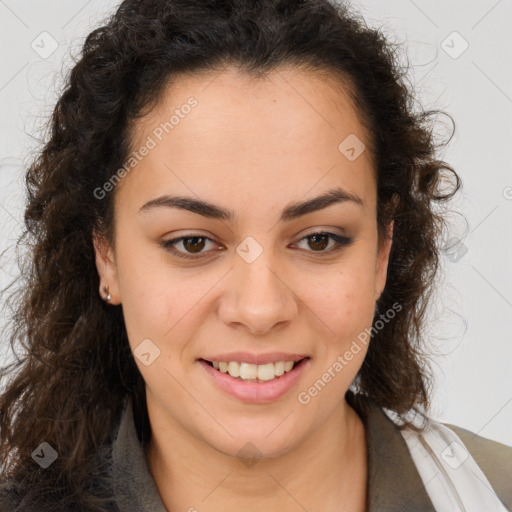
(493, 458)
(14, 498)
(97, 492)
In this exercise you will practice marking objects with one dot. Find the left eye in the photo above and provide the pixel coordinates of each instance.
(321, 239)
(193, 244)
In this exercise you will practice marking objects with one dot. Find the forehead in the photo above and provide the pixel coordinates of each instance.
(286, 130)
(285, 95)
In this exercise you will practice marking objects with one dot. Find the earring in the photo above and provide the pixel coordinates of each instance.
(109, 295)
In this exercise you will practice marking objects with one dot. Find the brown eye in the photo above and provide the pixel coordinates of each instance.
(196, 245)
(320, 241)
(190, 246)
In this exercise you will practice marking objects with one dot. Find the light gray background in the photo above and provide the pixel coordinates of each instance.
(469, 320)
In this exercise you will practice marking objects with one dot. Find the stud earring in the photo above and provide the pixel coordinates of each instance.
(109, 295)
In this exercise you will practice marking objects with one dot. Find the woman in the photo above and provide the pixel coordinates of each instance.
(235, 223)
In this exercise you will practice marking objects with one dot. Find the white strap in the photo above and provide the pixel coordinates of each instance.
(452, 478)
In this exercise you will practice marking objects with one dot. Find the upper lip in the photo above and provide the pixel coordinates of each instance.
(246, 357)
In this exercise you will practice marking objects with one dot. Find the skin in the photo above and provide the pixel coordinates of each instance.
(252, 146)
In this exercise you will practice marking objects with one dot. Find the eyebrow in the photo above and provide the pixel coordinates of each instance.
(290, 212)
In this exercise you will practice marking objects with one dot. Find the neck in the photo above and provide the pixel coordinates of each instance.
(328, 469)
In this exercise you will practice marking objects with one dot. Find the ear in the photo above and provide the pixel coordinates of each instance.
(107, 270)
(381, 267)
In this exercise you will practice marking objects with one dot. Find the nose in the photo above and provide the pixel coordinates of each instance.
(257, 297)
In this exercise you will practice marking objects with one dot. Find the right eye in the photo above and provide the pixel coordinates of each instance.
(193, 243)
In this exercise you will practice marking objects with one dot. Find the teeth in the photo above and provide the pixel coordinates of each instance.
(267, 371)
(234, 369)
(246, 371)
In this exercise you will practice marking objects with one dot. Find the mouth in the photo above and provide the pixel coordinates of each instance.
(255, 384)
(246, 372)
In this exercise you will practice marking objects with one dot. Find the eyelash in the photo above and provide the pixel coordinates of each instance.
(341, 241)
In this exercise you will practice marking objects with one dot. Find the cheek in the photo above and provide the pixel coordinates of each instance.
(159, 302)
(148, 293)
(344, 298)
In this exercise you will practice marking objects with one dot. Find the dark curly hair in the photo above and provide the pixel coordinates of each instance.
(77, 366)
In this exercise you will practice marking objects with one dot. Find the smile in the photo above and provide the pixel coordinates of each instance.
(254, 383)
(248, 372)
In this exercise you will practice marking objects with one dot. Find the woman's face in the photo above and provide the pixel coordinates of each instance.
(250, 284)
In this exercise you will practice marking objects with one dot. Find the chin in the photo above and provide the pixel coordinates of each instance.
(244, 445)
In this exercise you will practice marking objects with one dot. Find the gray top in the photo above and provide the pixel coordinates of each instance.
(394, 484)
(134, 487)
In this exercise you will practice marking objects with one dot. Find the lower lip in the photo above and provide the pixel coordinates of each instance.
(256, 392)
